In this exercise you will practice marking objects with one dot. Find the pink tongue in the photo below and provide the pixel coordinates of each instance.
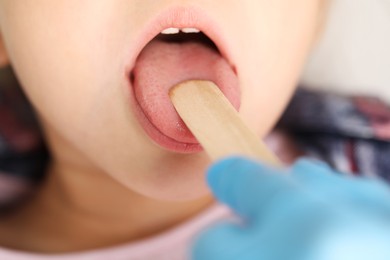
(162, 65)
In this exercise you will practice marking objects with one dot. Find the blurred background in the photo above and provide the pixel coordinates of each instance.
(353, 55)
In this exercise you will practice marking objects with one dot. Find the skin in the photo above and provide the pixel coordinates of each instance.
(108, 183)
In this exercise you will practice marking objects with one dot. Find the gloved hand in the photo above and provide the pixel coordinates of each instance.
(305, 212)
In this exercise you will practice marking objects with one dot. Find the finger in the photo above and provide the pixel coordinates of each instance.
(316, 175)
(314, 172)
(247, 186)
(367, 192)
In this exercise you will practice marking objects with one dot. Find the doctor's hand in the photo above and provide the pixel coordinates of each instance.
(305, 212)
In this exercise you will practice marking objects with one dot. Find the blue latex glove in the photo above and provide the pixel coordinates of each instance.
(305, 212)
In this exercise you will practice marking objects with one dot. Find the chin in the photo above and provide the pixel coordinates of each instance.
(173, 177)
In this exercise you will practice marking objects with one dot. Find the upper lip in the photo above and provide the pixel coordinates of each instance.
(181, 17)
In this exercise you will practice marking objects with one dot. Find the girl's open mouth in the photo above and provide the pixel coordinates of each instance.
(174, 55)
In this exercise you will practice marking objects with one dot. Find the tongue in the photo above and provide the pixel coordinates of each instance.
(161, 65)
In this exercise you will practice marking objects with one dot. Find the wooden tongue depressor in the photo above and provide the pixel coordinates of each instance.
(216, 123)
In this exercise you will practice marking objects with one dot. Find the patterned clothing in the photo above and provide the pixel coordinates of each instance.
(352, 134)
(23, 155)
(22, 149)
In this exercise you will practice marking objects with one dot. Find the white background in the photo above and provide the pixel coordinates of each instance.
(353, 55)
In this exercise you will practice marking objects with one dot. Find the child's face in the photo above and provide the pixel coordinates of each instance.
(74, 59)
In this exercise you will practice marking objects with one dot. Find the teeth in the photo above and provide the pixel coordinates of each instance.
(173, 30)
(190, 30)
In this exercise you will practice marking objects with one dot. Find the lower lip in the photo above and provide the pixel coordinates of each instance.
(156, 135)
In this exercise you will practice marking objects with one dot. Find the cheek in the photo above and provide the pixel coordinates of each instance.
(65, 67)
(279, 42)
(69, 65)
(72, 71)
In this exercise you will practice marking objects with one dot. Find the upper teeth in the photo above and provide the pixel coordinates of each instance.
(173, 30)
(190, 30)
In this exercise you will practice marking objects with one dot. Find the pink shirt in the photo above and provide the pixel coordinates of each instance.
(173, 244)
